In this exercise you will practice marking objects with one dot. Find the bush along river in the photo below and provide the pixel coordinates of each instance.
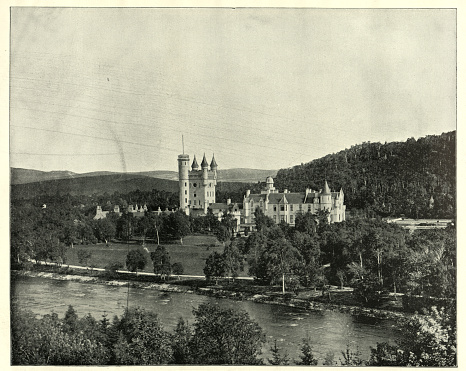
(328, 330)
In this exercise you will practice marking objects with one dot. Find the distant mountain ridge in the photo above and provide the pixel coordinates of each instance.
(241, 175)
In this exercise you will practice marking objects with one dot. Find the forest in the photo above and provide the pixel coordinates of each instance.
(416, 178)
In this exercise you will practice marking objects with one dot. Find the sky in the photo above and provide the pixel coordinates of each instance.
(115, 89)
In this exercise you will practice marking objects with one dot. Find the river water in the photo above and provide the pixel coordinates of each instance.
(328, 330)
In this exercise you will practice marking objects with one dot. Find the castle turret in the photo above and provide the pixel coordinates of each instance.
(213, 164)
(194, 166)
(269, 184)
(326, 197)
(183, 176)
(205, 170)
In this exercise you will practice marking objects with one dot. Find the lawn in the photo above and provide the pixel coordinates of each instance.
(192, 254)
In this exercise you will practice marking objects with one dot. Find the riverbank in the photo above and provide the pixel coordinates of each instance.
(221, 291)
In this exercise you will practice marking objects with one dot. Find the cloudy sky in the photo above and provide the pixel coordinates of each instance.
(116, 88)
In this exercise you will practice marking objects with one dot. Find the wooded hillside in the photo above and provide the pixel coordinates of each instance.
(387, 179)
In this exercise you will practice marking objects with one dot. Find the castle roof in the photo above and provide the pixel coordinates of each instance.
(326, 190)
(288, 197)
(213, 163)
(204, 162)
(195, 165)
(276, 198)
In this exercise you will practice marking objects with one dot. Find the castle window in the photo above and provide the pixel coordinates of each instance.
(194, 195)
(282, 207)
(195, 184)
(300, 207)
(199, 202)
(210, 184)
(185, 184)
(291, 219)
(186, 200)
(282, 218)
(185, 192)
(286, 207)
(309, 207)
(274, 207)
(274, 218)
(291, 207)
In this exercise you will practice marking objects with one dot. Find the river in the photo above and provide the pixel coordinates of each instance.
(328, 330)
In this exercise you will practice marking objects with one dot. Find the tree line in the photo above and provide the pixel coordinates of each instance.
(370, 255)
(218, 336)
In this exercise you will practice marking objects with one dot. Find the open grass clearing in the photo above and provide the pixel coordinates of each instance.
(192, 254)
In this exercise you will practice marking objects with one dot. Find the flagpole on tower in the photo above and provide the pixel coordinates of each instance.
(182, 141)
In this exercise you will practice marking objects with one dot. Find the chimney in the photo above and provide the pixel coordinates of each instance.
(248, 192)
(228, 201)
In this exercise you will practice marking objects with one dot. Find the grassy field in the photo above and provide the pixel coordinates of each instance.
(192, 254)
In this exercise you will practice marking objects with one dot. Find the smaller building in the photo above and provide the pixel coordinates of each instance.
(137, 211)
(219, 209)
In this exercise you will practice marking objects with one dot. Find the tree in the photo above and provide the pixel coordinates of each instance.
(225, 336)
(113, 267)
(136, 260)
(281, 259)
(262, 221)
(84, 255)
(278, 359)
(86, 234)
(222, 233)
(351, 358)
(49, 341)
(426, 340)
(232, 259)
(307, 357)
(214, 267)
(142, 340)
(104, 230)
(181, 342)
(161, 260)
(367, 290)
(177, 225)
(178, 269)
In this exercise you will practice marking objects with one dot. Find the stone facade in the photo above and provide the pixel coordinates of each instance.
(284, 206)
(197, 186)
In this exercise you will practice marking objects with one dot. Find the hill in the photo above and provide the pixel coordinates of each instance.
(122, 183)
(416, 178)
(23, 176)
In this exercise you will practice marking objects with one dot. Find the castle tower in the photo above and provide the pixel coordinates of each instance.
(269, 185)
(194, 166)
(213, 166)
(183, 176)
(326, 197)
(205, 171)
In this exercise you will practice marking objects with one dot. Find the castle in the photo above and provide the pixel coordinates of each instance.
(197, 187)
(284, 206)
(197, 195)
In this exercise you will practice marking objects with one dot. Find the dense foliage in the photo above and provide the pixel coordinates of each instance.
(370, 255)
(218, 336)
(416, 178)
